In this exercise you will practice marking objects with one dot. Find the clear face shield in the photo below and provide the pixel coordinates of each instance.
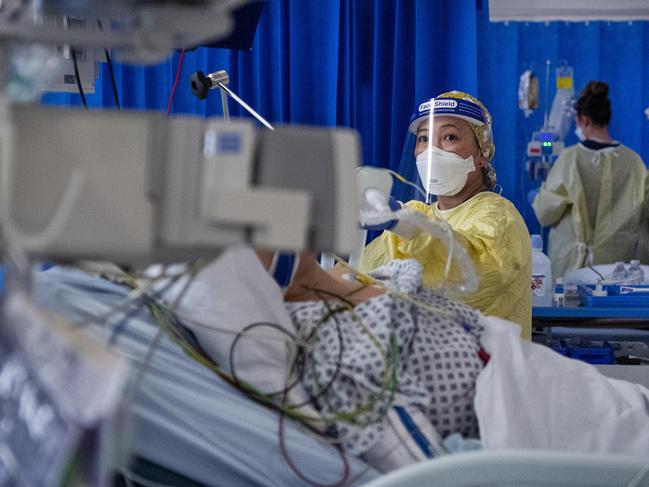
(438, 153)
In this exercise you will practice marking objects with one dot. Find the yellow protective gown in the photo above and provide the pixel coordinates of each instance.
(594, 200)
(495, 237)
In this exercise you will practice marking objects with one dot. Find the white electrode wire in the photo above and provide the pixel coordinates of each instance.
(130, 301)
(155, 343)
(136, 385)
(249, 335)
(121, 276)
(189, 322)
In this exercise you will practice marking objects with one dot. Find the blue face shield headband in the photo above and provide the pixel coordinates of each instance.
(458, 105)
(454, 107)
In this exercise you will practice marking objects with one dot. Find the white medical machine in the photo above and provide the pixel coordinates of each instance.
(141, 187)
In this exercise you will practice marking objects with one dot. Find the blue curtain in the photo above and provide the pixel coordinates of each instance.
(365, 63)
(614, 52)
(354, 63)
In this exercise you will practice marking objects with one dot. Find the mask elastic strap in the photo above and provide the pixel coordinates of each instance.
(283, 268)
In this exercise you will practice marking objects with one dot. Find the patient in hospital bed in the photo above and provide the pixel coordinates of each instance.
(392, 364)
(394, 370)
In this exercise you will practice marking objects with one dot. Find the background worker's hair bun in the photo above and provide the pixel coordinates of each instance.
(594, 103)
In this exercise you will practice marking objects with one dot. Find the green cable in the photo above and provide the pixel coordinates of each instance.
(162, 317)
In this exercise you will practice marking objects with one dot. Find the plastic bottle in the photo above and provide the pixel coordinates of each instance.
(559, 297)
(619, 274)
(635, 273)
(599, 290)
(541, 274)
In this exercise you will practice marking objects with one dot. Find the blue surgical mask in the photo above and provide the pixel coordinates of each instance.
(580, 134)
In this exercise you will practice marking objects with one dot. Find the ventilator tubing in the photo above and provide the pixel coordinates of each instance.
(411, 222)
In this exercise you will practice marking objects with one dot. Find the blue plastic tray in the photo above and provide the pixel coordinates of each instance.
(590, 354)
(635, 296)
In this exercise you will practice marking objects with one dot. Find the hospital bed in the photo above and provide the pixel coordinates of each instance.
(184, 418)
(188, 421)
(521, 468)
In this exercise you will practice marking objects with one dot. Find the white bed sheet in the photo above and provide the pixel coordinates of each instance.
(530, 397)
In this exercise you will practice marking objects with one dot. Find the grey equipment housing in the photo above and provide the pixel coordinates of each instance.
(134, 187)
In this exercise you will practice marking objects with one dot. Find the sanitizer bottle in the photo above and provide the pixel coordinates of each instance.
(541, 274)
(619, 274)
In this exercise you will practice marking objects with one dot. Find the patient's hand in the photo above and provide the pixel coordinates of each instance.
(312, 283)
(338, 271)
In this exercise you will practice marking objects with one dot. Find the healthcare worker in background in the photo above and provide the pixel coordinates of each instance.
(453, 150)
(594, 194)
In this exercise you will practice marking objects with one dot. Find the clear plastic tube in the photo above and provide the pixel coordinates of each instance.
(440, 230)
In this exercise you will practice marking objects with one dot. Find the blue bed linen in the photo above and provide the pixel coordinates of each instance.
(184, 417)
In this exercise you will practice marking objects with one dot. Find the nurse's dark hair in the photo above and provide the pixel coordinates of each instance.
(594, 103)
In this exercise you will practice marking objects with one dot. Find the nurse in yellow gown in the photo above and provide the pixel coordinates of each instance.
(453, 153)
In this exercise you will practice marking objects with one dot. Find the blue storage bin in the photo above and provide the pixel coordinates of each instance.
(589, 354)
(619, 296)
(594, 355)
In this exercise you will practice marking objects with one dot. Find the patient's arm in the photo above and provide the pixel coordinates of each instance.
(312, 283)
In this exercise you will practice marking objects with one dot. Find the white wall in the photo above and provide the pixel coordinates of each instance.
(571, 10)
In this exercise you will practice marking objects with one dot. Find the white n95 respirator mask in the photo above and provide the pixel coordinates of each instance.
(443, 173)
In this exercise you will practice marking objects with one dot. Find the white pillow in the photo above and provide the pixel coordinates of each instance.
(225, 297)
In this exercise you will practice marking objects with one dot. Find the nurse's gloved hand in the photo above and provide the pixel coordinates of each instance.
(404, 228)
(387, 225)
